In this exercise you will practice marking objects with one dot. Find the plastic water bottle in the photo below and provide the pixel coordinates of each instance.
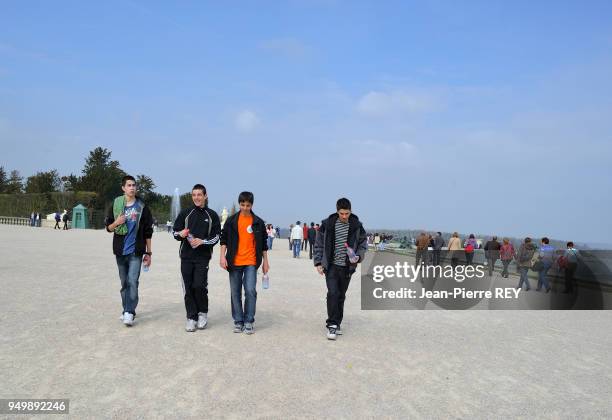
(265, 281)
(353, 257)
(145, 268)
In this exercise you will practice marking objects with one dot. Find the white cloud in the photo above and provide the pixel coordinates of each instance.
(382, 104)
(371, 154)
(246, 121)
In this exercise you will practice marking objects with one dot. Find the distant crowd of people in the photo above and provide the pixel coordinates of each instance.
(36, 221)
(528, 257)
(302, 237)
(378, 240)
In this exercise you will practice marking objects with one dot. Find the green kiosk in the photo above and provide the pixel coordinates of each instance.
(79, 217)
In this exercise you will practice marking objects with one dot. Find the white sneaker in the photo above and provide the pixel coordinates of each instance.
(202, 320)
(249, 328)
(332, 332)
(190, 326)
(338, 331)
(128, 319)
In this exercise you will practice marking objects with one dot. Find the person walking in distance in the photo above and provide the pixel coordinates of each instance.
(491, 249)
(454, 248)
(271, 235)
(525, 255)
(546, 257)
(304, 236)
(438, 243)
(312, 235)
(506, 254)
(421, 251)
(470, 246)
(570, 264)
(297, 235)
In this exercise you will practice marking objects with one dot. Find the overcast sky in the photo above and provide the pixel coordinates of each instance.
(482, 116)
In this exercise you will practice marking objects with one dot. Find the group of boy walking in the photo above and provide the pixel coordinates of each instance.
(243, 242)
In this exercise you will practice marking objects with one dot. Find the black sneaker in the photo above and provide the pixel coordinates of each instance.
(332, 332)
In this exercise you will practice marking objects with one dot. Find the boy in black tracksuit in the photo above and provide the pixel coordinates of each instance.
(331, 259)
(197, 228)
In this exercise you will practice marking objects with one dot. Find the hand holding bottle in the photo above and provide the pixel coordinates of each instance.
(352, 256)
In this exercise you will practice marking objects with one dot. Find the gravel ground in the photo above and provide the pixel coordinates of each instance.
(60, 337)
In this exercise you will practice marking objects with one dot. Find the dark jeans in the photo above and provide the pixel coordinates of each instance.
(310, 246)
(436, 256)
(304, 244)
(195, 287)
(57, 226)
(569, 277)
(337, 279)
(505, 263)
(421, 255)
(454, 258)
(129, 272)
(491, 262)
(469, 257)
(65, 225)
(243, 276)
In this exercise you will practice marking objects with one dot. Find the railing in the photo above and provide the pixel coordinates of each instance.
(20, 221)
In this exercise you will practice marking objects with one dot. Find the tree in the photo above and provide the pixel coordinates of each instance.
(43, 182)
(3, 180)
(102, 176)
(15, 183)
(71, 182)
(145, 187)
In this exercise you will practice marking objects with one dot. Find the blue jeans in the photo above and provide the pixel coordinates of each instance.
(270, 241)
(129, 272)
(297, 246)
(243, 276)
(542, 278)
(524, 278)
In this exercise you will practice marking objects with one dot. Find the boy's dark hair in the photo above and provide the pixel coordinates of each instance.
(246, 196)
(126, 179)
(199, 187)
(343, 204)
(570, 244)
(311, 224)
(545, 240)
